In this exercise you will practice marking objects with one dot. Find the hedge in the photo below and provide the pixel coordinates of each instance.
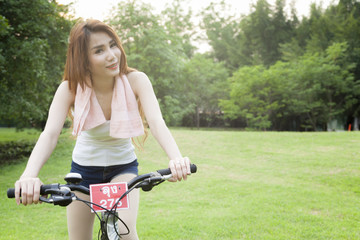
(13, 151)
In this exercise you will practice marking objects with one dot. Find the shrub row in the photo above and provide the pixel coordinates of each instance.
(15, 150)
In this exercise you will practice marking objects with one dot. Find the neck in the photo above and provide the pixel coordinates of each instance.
(103, 85)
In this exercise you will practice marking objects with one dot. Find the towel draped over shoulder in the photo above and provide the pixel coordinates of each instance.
(125, 119)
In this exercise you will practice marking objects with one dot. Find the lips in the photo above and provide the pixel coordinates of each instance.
(113, 66)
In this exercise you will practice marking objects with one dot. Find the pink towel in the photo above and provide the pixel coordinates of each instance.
(125, 118)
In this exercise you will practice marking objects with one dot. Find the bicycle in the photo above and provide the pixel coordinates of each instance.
(63, 195)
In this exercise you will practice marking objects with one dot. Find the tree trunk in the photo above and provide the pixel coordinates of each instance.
(197, 117)
(356, 124)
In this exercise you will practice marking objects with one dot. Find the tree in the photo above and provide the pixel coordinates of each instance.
(251, 40)
(264, 30)
(222, 34)
(33, 39)
(256, 96)
(304, 94)
(155, 49)
(179, 26)
(204, 82)
(347, 15)
(338, 24)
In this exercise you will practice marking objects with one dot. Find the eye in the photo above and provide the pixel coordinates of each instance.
(98, 51)
(113, 44)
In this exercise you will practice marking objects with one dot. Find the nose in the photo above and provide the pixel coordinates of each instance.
(111, 55)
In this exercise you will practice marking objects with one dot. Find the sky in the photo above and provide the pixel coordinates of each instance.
(99, 9)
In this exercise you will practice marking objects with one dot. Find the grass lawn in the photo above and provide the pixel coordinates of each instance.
(11, 134)
(249, 185)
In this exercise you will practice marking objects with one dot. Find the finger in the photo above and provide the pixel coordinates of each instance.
(24, 194)
(187, 164)
(17, 192)
(36, 191)
(173, 171)
(188, 169)
(178, 169)
(172, 179)
(30, 193)
(183, 169)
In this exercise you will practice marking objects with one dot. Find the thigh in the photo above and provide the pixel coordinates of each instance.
(129, 216)
(80, 219)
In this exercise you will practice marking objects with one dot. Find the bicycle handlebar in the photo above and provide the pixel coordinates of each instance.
(149, 178)
(49, 188)
(167, 171)
(63, 195)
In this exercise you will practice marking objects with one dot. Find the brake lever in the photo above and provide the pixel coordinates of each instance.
(167, 177)
(148, 183)
(62, 197)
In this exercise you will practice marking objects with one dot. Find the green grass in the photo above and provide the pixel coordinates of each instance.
(249, 185)
(11, 134)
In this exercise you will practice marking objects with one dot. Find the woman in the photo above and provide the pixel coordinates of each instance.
(104, 96)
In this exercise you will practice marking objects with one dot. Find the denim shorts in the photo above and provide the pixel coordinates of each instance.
(96, 175)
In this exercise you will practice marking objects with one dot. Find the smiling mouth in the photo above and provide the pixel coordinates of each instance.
(112, 66)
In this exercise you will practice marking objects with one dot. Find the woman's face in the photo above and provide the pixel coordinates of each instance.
(104, 56)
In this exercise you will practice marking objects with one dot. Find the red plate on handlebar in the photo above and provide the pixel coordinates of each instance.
(106, 195)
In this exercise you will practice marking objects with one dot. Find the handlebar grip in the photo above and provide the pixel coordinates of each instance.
(167, 171)
(11, 193)
(43, 188)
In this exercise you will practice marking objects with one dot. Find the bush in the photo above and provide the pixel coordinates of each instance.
(12, 151)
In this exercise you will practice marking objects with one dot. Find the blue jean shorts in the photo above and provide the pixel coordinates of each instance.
(96, 175)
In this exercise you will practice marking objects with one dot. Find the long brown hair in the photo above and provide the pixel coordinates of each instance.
(77, 59)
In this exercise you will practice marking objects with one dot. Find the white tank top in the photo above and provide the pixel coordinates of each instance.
(95, 147)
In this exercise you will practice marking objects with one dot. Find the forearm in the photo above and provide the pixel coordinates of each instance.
(40, 154)
(164, 137)
(141, 85)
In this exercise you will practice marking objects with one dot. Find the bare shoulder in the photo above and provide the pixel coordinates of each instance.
(64, 85)
(64, 92)
(137, 77)
(138, 81)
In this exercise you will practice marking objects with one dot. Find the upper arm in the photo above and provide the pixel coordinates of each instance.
(143, 89)
(59, 108)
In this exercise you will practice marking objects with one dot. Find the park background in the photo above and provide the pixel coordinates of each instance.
(268, 70)
(269, 112)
